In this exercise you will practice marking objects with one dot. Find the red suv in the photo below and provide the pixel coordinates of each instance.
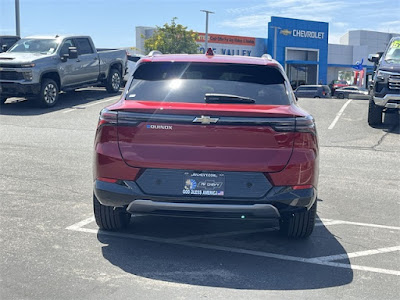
(207, 136)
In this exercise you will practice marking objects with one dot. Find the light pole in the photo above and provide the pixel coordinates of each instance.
(17, 28)
(206, 37)
(275, 38)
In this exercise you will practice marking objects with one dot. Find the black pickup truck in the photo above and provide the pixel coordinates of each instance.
(385, 86)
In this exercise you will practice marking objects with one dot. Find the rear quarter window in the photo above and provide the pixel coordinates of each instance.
(189, 82)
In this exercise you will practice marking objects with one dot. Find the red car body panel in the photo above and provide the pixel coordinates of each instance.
(206, 147)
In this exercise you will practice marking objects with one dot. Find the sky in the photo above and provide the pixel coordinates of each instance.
(111, 23)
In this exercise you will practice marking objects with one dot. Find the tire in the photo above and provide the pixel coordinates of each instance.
(299, 225)
(3, 100)
(109, 217)
(113, 81)
(374, 113)
(49, 93)
(340, 96)
(316, 97)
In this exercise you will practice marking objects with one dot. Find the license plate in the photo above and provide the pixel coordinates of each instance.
(203, 184)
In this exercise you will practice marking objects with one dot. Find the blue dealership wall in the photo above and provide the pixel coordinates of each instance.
(296, 33)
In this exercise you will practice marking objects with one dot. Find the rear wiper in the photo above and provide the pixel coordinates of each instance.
(226, 98)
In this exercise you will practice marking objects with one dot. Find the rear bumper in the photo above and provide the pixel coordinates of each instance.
(278, 201)
(13, 89)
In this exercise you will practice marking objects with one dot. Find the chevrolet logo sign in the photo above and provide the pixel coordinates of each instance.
(205, 120)
(286, 32)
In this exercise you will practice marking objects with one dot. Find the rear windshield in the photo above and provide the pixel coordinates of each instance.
(190, 82)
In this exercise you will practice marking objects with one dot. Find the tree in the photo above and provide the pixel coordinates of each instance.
(172, 38)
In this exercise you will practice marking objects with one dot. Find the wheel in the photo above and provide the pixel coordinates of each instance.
(48, 95)
(113, 81)
(316, 97)
(340, 96)
(109, 217)
(3, 100)
(374, 113)
(299, 225)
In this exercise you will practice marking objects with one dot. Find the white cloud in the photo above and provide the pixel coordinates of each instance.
(253, 21)
(340, 24)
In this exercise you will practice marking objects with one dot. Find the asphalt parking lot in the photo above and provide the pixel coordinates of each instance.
(51, 248)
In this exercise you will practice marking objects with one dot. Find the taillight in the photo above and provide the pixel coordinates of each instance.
(306, 124)
(107, 117)
(300, 124)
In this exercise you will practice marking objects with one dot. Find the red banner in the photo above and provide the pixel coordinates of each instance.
(227, 39)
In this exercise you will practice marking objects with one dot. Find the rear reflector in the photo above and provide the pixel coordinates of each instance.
(302, 187)
(110, 180)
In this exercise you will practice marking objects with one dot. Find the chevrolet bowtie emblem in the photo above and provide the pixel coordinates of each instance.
(205, 120)
(286, 32)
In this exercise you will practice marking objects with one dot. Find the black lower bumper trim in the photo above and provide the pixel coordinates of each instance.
(155, 207)
(278, 201)
(10, 89)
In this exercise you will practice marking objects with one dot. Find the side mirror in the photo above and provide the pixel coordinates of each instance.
(374, 57)
(4, 48)
(72, 53)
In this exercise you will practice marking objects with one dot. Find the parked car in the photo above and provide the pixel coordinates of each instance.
(207, 136)
(355, 92)
(337, 84)
(41, 67)
(6, 41)
(385, 86)
(313, 91)
(296, 83)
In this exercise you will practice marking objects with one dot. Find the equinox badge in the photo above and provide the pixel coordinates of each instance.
(205, 120)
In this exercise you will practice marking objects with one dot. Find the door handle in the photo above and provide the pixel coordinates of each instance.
(78, 60)
(95, 58)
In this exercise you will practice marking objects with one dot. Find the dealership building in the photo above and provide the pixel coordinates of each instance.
(302, 48)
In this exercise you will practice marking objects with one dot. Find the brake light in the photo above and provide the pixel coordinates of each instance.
(107, 117)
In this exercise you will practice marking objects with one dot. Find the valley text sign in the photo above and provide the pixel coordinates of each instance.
(228, 44)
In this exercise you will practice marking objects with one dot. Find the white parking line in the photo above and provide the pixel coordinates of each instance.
(357, 254)
(91, 104)
(80, 224)
(241, 251)
(323, 260)
(339, 114)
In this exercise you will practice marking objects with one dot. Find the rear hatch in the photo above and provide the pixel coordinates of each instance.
(203, 116)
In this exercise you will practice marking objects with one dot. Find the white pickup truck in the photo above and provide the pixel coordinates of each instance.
(39, 67)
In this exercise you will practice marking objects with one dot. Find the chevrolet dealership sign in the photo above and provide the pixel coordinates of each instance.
(303, 33)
